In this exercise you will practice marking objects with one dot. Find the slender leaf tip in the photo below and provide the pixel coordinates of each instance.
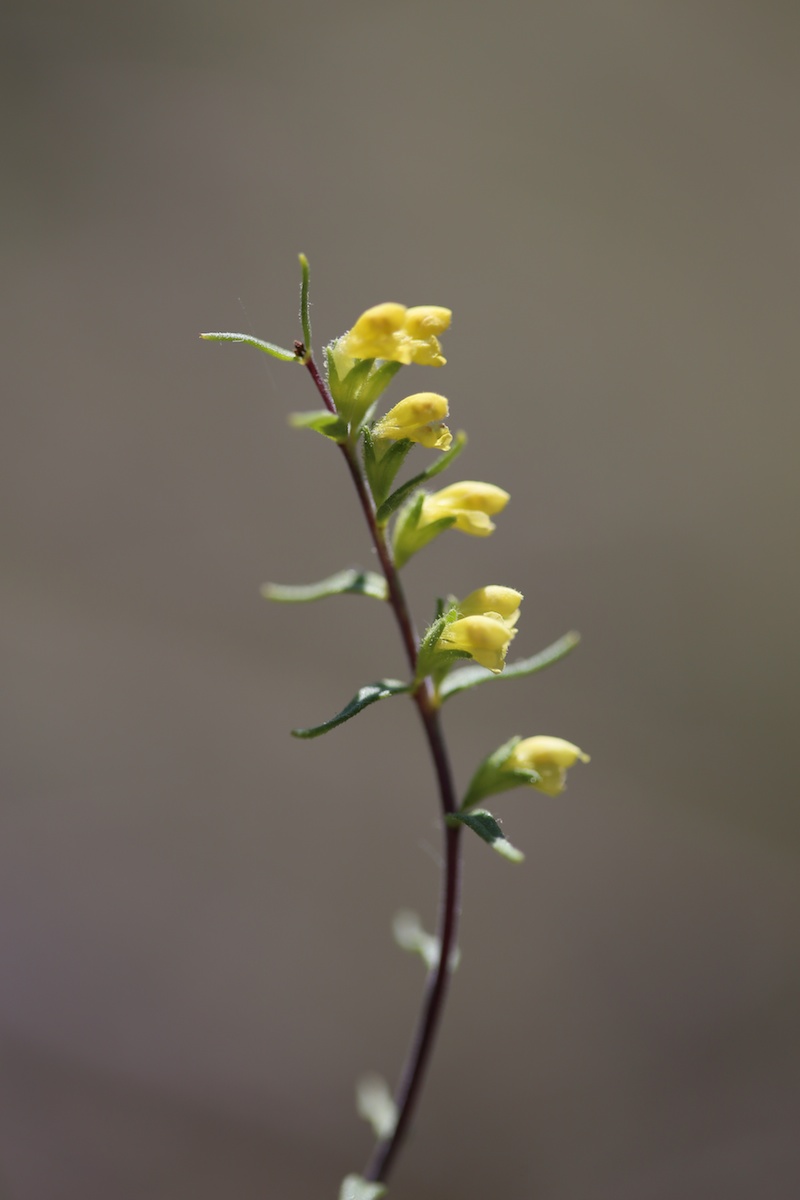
(305, 316)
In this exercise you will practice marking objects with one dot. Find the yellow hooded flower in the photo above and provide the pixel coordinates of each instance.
(485, 625)
(494, 601)
(399, 334)
(470, 502)
(419, 418)
(485, 637)
(550, 757)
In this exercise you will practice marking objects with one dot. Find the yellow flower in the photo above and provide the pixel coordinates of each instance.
(486, 637)
(494, 601)
(399, 334)
(419, 418)
(470, 502)
(550, 757)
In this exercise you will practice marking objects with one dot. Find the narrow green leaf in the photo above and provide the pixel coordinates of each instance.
(321, 421)
(355, 1187)
(439, 464)
(247, 340)
(363, 698)
(375, 1103)
(468, 677)
(359, 583)
(305, 319)
(487, 828)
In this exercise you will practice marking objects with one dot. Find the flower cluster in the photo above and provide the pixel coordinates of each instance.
(399, 334)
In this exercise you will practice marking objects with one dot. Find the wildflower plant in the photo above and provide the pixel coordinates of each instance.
(465, 645)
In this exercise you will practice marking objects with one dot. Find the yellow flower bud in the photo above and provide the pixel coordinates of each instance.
(495, 601)
(399, 334)
(485, 637)
(418, 418)
(550, 757)
(470, 502)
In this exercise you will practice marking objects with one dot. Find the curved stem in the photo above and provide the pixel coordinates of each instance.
(436, 988)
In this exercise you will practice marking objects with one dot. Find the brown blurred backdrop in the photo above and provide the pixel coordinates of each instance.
(194, 908)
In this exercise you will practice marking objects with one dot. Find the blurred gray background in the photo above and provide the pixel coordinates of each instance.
(195, 909)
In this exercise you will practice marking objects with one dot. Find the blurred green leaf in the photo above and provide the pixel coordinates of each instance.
(487, 828)
(469, 677)
(359, 583)
(321, 421)
(376, 1105)
(369, 694)
(355, 1187)
(247, 340)
(410, 935)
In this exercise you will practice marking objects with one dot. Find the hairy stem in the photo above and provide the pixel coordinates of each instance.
(413, 1074)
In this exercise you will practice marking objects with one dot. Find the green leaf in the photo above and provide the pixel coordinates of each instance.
(305, 319)
(356, 392)
(327, 423)
(382, 462)
(247, 340)
(369, 694)
(375, 1103)
(469, 677)
(487, 828)
(346, 391)
(355, 1187)
(380, 379)
(493, 776)
(408, 538)
(359, 583)
(440, 464)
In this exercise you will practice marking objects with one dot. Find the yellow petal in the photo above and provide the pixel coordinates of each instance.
(399, 334)
(418, 417)
(504, 601)
(375, 333)
(470, 502)
(550, 756)
(485, 638)
(427, 319)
